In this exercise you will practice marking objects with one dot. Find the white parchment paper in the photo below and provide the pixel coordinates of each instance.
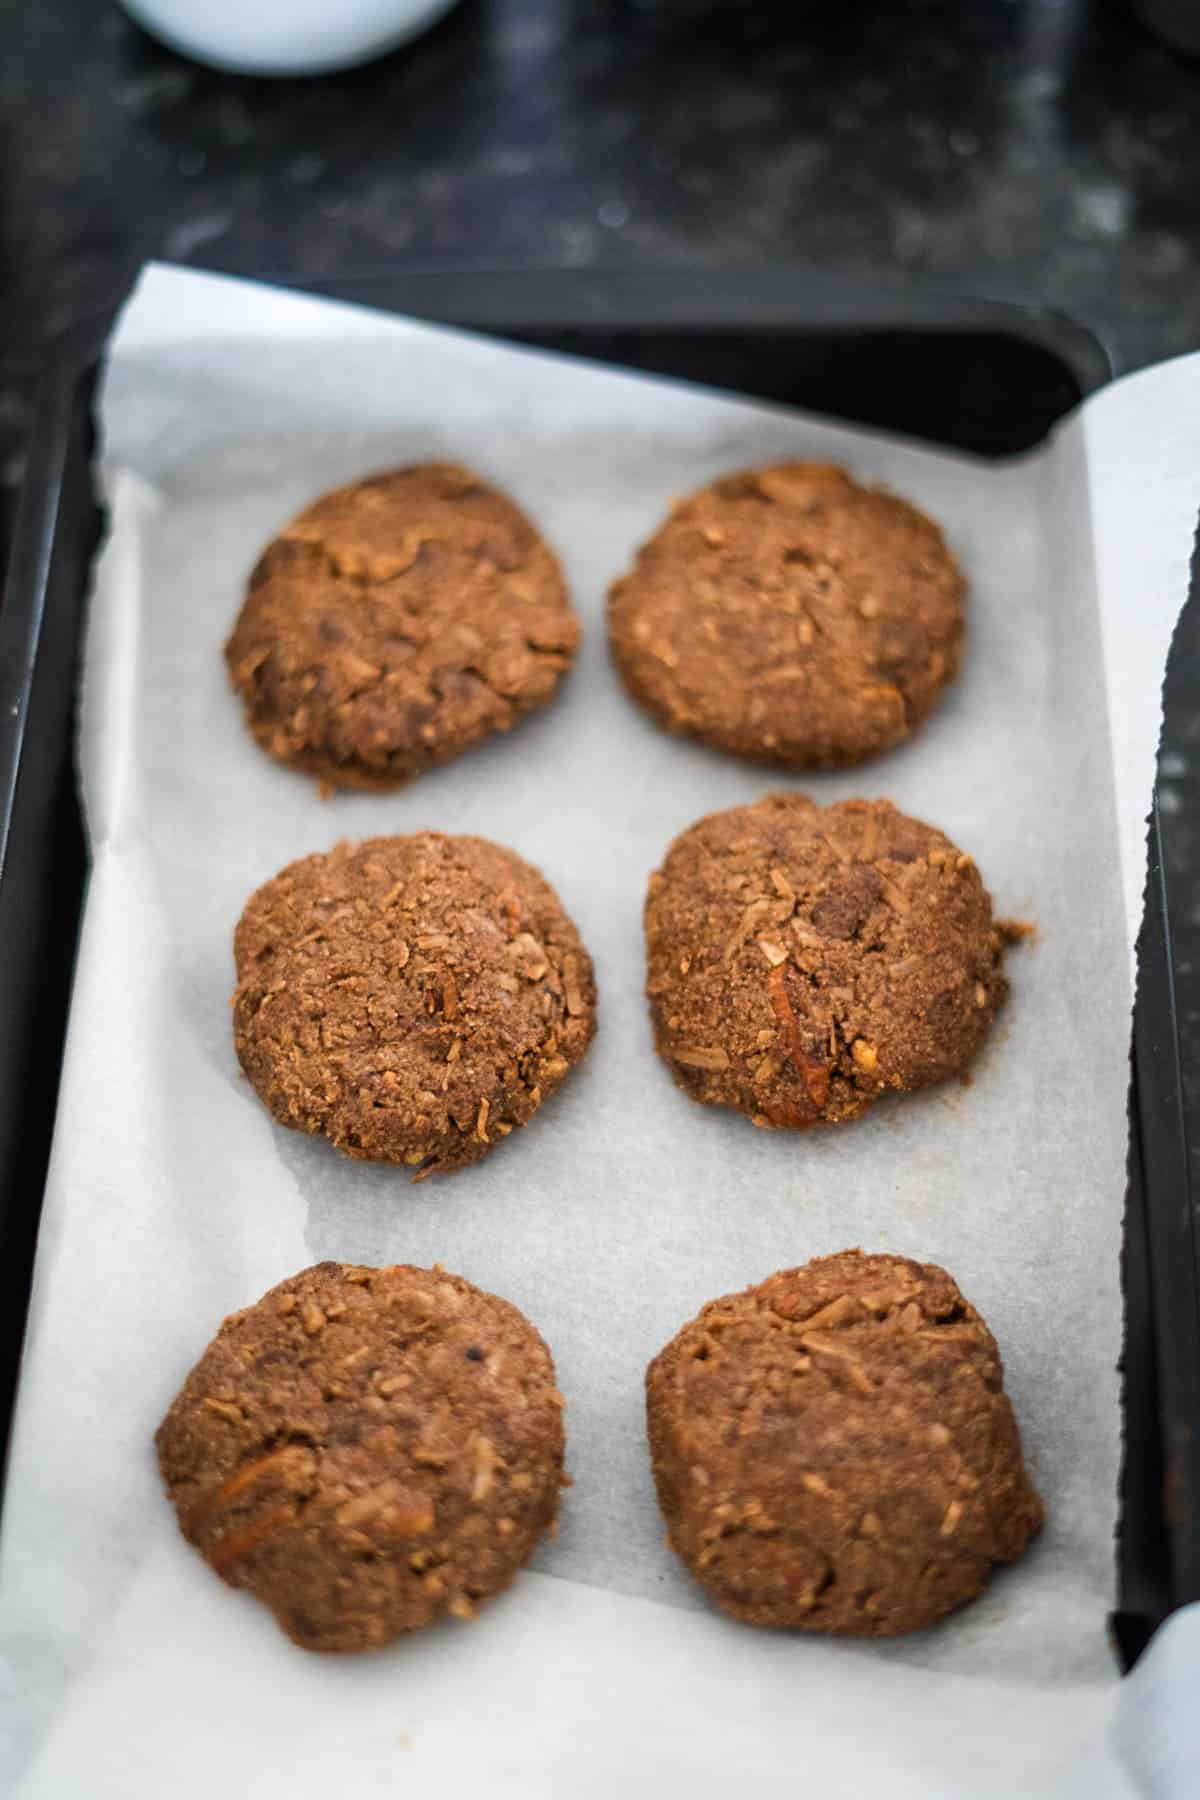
(174, 1199)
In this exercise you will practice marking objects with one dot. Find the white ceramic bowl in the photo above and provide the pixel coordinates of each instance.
(285, 37)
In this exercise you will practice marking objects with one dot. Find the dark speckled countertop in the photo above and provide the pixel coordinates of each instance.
(1045, 149)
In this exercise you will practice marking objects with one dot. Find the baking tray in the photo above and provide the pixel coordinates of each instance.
(978, 376)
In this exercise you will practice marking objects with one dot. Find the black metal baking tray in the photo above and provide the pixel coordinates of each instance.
(988, 378)
(1160, 1535)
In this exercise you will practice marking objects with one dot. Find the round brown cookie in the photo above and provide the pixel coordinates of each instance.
(802, 960)
(790, 614)
(413, 998)
(366, 1449)
(834, 1450)
(395, 623)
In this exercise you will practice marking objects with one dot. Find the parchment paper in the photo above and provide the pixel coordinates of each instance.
(174, 1199)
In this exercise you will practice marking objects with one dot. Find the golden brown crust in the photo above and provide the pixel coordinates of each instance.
(833, 1449)
(790, 615)
(802, 960)
(396, 622)
(413, 998)
(367, 1449)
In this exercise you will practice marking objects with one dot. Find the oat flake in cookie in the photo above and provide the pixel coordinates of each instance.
(366, 1449)
(396, 622)
(791, 615)
(834, 1450)
(413, 998)
(804, 960)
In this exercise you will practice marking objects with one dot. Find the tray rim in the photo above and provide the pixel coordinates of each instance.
(487, 296)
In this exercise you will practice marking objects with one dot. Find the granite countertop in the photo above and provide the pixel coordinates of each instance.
(1030, 149)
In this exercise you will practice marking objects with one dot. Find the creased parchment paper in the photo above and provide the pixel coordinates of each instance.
(174, 1199)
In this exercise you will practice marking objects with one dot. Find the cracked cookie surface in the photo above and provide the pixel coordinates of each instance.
(790, 615)
(802, 960)
(834, 1451)
(412, 998)
(395, 623)
(367, 1449)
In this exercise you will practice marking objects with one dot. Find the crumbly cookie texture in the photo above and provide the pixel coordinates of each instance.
(789, 614)
(834, 1451)
(367, 1449)
(395, 623)
(803, 960)
(412, 998)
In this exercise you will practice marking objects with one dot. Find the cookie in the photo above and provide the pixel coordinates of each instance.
(396, 622)
(413, 998)
(791, 615)
(364, 1450)
(833, 1449)
(804, 960)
